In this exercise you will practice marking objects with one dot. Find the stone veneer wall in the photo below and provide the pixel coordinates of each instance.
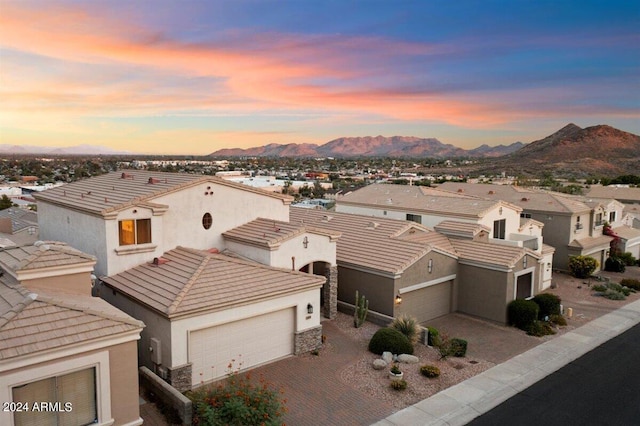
(331, 293)
(180, 377)
(307, 340)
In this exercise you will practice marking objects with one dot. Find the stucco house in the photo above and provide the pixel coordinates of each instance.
(151, 232)
(404, 267)
(571, 225)
(18, 227)
(61, 345)
(205, 309)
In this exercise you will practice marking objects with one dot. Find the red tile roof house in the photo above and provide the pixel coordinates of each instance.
(210, 266)
(59, 345)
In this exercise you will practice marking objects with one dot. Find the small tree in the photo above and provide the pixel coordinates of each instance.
(5, 202)
(582, 266)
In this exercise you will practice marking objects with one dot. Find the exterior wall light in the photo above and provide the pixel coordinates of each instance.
(305, 242)
(500, 211)
(309, 308)
(430, 265)
(398, 299)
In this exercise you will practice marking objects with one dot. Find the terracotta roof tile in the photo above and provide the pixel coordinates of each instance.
(490, 253)
(270, 233)
(196, 280)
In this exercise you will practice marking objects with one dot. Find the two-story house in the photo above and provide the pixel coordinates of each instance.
(176, 251)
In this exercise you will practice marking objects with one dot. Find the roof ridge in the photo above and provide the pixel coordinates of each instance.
(192, 280)
(17, 308)
(87, 310)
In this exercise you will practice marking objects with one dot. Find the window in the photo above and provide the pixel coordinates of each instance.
(414, 218)
(499, 228)
(70, 398)
(134, 231)
(612, 217)
(599, 221)
(525, 215)
(207, 220)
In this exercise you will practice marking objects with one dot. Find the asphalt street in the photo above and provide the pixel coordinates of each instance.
(600, 388)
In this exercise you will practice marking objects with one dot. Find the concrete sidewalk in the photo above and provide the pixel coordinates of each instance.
(460, 404)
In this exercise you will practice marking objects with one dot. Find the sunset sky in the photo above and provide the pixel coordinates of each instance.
(191, 77)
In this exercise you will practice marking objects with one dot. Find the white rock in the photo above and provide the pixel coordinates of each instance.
(387, 357)
(408, 359)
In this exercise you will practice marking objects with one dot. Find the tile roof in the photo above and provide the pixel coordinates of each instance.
(188, 281)
(434, 239)
(42, 254)
(271, 233)
(412, 198)
(527, 199)
(32, 322)
(490, 253)
(618, 193)
(21, 219)
(526, 222)
(371, 242)
(460, 229)
(627, 232)
(114, 191)
(591, 242)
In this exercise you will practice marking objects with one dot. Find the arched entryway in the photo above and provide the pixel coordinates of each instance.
(329, 292)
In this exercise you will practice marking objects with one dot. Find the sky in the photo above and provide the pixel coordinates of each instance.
(194, 76)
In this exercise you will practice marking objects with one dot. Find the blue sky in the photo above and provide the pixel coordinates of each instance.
(191, 77)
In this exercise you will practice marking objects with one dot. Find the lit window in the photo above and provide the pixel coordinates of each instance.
(134, 231)
(207, 220)
(75, 391)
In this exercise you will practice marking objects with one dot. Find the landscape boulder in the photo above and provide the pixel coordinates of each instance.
(408, 359)
(387, 357)
(379, 364)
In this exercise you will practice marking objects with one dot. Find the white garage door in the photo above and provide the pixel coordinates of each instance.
(429, 302)
(249, 342)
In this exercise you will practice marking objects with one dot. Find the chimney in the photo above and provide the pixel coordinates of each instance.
(125, 175)
(153, 180)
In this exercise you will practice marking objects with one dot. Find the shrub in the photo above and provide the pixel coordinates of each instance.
(582, 266)
(558, 320)
(540, 328)
(614, 264)
(599, 287)
(390, 340)
(408, 326)
(458, 347)
(522, 313)
(434, 336)
(430, 371)
(548, 303)
(237, 401)
(627, 258)
(631, 283)
(398, 384)
(613, 294)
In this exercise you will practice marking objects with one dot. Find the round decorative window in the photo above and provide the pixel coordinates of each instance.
(207, 220)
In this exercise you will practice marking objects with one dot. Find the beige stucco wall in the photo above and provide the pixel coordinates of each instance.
(483, 292)
(123, 378)
(558, 232)
(79, 283)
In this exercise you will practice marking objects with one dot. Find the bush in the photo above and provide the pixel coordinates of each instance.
(558, 320)
(582, 266)
(631, 283)
(613, 291)
(613, 294)
(522, 313)
(548, 303)
(237, 401)
(434, 336)
(390, 340)
(398, 384)
(458, 347)
(408, 326)
(540, 328)
(627, 258)
(430, 371)
(614, 264)
(599, 287)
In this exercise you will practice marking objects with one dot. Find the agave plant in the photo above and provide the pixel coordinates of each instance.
(408, 326)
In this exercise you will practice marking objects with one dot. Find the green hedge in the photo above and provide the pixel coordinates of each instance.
(614, 264)
(434, 336)
(548, 303)
(522, 313)
(631, 283)
(390, 340)
(458, 347)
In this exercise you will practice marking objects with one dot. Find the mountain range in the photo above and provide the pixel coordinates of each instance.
(370, 146)
(71, 150)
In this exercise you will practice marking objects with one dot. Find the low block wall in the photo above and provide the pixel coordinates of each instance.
(167, 394)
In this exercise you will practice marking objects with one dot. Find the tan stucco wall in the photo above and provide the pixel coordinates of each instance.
(79, 283)
(377, 289)
(483, 292)
(558, 232)
(123, 376)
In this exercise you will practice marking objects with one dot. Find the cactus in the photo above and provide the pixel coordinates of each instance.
(361, 310)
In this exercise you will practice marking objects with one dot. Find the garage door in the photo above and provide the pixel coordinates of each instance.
(429, 302)
(250, 342)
